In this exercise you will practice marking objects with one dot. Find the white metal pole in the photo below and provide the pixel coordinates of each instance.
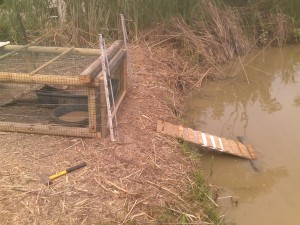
(104, 72)
(111, 90)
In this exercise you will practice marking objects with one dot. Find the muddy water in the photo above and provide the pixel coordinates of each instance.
(266, 112)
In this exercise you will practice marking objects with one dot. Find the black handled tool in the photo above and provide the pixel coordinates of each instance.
(64, 172)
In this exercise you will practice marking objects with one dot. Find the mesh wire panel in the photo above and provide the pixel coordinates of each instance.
(67, 65)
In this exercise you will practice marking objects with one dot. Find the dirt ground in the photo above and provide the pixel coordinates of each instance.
(131, 182)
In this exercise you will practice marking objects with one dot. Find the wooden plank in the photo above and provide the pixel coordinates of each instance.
(46, 129)
(95, 68)
(50, 50)
(207, 140)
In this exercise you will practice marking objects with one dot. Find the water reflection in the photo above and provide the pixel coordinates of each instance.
(260, 68)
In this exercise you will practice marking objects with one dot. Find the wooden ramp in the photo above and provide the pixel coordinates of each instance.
(210, 141)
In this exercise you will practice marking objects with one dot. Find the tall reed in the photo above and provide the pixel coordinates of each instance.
(85, 18)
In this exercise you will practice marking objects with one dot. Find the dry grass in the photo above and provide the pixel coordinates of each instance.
(215, 39)
(143, 179)
(266, 27)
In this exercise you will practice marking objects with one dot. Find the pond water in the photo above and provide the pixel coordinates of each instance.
(266, 112)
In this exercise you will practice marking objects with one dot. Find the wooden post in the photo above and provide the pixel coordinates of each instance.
(103, 108)
(98, 107)
(92, 110)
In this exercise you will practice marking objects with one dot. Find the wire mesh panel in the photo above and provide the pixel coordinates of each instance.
(43, 93)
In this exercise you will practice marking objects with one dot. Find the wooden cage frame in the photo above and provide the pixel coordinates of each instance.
(91, 78)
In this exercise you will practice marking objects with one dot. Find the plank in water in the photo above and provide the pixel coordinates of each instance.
(206, 140)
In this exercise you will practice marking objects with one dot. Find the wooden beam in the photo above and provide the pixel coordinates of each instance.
(115, 62)
(52, 60)
(98, 105)
(95, 68)
(46, 129)
(25, 78)
(50, 50)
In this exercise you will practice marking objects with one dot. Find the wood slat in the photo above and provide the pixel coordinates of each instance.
(234, 148)
(251, 151)
(209, 142)
(185, 134)
(217, 144)
(200, 140)
(226, 145)
(244, 150)
(192, 136)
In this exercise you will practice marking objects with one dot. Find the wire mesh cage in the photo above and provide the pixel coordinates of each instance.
(58, 91)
